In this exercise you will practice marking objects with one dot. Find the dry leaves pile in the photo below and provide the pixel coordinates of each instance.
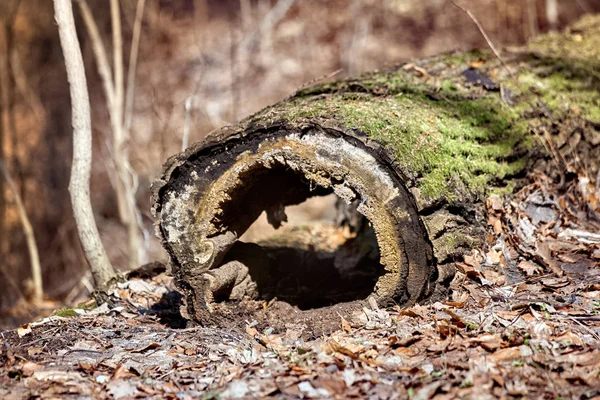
(523, 321)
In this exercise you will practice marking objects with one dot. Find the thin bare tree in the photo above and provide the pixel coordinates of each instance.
(34, 258)
(79, 186)
(120, 110)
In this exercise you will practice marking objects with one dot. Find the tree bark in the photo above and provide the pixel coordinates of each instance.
(79, 186)
(418, 148)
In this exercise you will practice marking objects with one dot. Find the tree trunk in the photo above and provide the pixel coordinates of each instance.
(79, 186)
(418, 148)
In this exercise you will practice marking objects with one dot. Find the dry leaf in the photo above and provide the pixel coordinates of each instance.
(346, 325)
(146, 348)
(530, 268)
(24, 330)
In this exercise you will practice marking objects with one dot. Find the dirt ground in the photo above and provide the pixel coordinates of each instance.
(522, 321)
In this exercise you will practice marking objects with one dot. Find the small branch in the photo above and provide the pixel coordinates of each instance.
(483, 33)
(99, 52)
(117, 64)
(186, 126)
(21, 81)
(34, 258)
(79, 186)
(135, 43)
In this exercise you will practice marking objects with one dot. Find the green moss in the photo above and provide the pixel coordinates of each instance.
(465, 58)
(87, 305)
(452, 138)
(440, 141)
(71, 312)
(65, 312)
(563, 94)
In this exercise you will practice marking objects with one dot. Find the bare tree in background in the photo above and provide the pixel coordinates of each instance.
(120, 109)
(34, 258)
(79, 186)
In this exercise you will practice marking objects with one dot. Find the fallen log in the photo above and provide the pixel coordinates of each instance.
(415, 149)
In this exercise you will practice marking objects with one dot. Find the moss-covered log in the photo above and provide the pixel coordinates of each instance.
(417, 147)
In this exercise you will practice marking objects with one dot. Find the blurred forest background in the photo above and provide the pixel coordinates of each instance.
(201, 64)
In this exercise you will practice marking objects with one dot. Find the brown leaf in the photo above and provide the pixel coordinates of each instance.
(496, 224)
(494, 277)
(461, 303)
(86, 366)
(544, 255)
(28, 368)
(472, 261)
(346, 325)
(556, 283)
(510, 353)
(146, 348)
(335, 386)
(121, 372)
(530, 268)
(590, 358)
(488, 342)
(336, 347)
(410, 313)
(566, 258)
(33, 351)
(570, 338)
(456, 319)
(175, 350)
(395, 342)
(251, 331)
(493, 256)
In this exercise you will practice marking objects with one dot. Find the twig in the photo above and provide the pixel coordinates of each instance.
(186, 126)
(133, 55)
(34, 258)
(587, 328)
(117, 37)
(12, 282)
(31, 98)
(269, 20)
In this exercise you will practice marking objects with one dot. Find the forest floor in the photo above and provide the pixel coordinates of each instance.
(522, 321)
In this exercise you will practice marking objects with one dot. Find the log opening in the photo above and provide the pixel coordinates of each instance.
(216, 197)
(308, 264)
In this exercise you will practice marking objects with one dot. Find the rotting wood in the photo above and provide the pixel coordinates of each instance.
(418, 148)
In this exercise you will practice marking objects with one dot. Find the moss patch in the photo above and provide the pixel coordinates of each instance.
(452, 138)
(71, 312)
(439, 138)
(65, 312)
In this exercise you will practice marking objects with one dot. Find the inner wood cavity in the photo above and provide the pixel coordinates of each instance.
(309, 265)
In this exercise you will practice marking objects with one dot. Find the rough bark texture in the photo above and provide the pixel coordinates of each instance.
(418, 148)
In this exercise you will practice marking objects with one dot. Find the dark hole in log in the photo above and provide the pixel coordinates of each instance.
(308, 263)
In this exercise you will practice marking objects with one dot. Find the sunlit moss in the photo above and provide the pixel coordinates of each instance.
(450, 137)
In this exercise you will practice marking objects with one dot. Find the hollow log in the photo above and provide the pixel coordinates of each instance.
(416, 148)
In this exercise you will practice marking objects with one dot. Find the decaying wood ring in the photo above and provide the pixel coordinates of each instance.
(222, 188)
